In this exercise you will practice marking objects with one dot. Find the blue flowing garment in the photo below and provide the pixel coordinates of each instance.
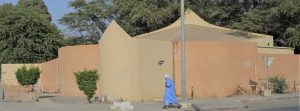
(170, 97)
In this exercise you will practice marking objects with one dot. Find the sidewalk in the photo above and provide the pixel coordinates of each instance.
(236, 102)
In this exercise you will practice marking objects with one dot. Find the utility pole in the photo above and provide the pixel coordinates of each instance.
(267, 62)
(183, 61)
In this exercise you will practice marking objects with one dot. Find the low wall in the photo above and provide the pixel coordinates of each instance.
(215, 69)
(285, 65)
(73, 59)
(8, 73)
(49, 76)
(12, 89)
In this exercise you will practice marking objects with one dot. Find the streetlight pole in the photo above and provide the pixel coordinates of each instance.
(183, 62)
(267, 62)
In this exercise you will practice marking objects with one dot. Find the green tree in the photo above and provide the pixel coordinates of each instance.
(209, 10)
(87, 82)
(91, 18)
(252, 21)
(36, 5)
(279, 18)
(222, 12)
(27, 36)
(76, 41)
(28, 76)
(138, 17)
(88, 20)
(293, 37)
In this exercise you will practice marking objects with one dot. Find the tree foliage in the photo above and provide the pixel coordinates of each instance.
(37, 5)
(138, 17)
(87, 82)
(279, 18)
(91, 18)
(28, 76)
(88, 20)
(26, 36)
(293, 36)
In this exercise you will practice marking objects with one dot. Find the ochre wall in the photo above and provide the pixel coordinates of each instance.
(120, 68)
(215, 69)
(152, 74)
(73, 59)
(49, 76)
(284, 65)
(129, 66)
(9, 82)
(8, 73)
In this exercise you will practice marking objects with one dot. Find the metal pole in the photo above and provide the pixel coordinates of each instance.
(267, 71)
(255, 71)
(183, 64)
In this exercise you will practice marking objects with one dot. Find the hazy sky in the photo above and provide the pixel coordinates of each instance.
(57, 8)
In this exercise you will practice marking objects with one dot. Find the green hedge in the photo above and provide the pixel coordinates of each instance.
(28, 76)
(279, 84)
(87, 82)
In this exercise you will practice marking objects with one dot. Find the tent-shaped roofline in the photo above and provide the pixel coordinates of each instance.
(191, 18)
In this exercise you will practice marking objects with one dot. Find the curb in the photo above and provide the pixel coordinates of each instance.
(265, 98)
(236, 107)
(195, 107)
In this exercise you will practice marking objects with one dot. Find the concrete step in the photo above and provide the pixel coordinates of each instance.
(47, 95)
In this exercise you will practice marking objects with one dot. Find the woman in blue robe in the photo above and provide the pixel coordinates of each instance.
(170, 99)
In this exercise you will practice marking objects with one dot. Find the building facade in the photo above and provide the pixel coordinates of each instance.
(220, 61)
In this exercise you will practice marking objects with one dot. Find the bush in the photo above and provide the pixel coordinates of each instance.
(279, 84)
(28, 76)
(87, 82)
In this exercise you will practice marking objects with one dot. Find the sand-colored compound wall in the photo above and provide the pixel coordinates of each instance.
(284, 65)
(49, 76)
(120, 69)
(73, 59)
(8, 73)
(129, 66)
(152, 53)
(215, 69)
(9, 83)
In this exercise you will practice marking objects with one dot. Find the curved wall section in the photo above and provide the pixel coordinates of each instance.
(133, 68)
(156, 60)
(49, 76)
(73, 59)
(119, 59)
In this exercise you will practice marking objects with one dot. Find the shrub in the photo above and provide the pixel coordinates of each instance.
(279, 84)
(87, 82)
(28, 76)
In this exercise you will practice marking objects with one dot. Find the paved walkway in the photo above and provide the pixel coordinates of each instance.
(235, 103)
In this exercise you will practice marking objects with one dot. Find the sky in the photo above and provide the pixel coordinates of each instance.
(57, 9)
